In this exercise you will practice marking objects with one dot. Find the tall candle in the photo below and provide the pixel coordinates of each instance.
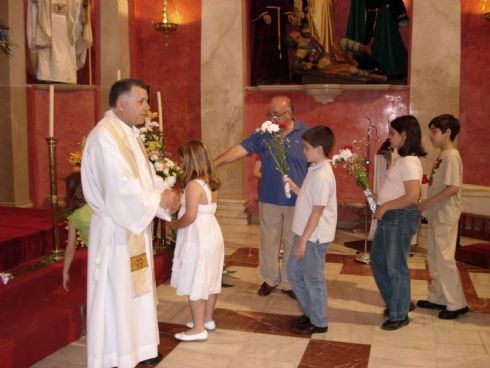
(118, 74)
(51, 111)
(160, 117)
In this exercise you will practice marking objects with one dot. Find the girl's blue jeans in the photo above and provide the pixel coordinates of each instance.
(389, 255)
(307, 280)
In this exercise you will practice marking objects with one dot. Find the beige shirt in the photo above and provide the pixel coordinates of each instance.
(447, 170)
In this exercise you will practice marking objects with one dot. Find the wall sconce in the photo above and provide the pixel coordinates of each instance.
(485, 10)
(165, 26)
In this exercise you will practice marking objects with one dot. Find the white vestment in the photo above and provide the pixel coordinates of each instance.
(121, 329)
(55, 37)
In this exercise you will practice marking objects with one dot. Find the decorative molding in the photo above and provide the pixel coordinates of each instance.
(326, 93)
(60, 86)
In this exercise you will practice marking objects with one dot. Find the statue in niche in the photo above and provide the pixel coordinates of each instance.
(377, 22)
(316, 20)
(310, 55)
(269, 53)
(58, 36)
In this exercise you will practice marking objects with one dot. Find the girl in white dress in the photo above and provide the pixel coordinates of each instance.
(199, 252)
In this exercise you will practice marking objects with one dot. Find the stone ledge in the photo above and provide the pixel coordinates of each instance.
(326, 93)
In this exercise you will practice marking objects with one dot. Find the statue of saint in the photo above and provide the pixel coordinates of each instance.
(269, 53)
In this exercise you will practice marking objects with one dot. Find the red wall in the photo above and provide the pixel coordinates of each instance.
(72, 119)
(347, 117)
(474, 94)
(175, 70)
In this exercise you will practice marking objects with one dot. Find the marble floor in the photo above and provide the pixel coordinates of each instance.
(253, 331)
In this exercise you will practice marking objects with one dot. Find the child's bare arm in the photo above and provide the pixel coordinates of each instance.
(69, 253)
(446, 193)
(193, 195)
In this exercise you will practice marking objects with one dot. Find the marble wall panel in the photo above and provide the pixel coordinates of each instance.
(222, 86)
(435, 64)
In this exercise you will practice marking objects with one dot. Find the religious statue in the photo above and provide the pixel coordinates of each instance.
(58, 36)
(269, 53)
(310, 55)
(377, 22)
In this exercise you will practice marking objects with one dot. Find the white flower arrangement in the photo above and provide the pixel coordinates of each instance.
(277, 149)
(268, 127)
(355, 165)
(343, 155)
(6, 277)
(164, 167)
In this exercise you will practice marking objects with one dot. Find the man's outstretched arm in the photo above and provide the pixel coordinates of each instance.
(233, 154)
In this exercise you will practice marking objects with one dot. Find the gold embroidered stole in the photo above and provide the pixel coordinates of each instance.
(141, 280)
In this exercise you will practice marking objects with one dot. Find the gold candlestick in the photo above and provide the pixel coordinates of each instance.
(57, 253)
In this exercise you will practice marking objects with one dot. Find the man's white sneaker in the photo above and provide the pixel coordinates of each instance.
(210, 325)
(201, 336)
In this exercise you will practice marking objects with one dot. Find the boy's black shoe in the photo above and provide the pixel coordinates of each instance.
(429, 305)
(300, 322)
(386, 312)
(154, 360)
(309, 329)
(390, 325)
(447, 314)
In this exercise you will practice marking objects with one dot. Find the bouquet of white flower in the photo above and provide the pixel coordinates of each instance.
(5, 277)
(276, 148)
(356, 167)
(164, 167)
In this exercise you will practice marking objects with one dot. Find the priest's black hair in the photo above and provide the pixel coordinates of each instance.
(123, 86)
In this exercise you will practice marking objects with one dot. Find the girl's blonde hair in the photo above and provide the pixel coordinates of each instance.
(197, 164)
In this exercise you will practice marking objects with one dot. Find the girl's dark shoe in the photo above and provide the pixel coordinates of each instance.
(390, 325)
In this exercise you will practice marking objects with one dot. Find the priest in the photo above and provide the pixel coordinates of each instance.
(125, 195)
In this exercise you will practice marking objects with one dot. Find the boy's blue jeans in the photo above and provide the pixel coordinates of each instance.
(308, 282)
(390, 251)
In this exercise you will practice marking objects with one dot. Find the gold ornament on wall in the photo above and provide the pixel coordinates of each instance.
(165, 26)
(485, 9)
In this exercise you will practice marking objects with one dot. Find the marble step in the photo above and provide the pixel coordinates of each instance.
(232, 211)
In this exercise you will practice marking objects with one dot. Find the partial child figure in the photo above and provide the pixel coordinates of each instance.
(78, 219)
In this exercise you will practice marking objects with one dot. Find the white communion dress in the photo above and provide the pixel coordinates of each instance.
(199, 253)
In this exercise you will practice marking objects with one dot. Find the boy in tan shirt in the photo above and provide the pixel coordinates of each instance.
(443, 209)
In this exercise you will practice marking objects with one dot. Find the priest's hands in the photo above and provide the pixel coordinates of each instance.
(170, 200)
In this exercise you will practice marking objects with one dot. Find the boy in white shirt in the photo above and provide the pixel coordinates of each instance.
(314, 223)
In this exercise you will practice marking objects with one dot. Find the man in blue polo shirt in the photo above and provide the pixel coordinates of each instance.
(275, 210)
